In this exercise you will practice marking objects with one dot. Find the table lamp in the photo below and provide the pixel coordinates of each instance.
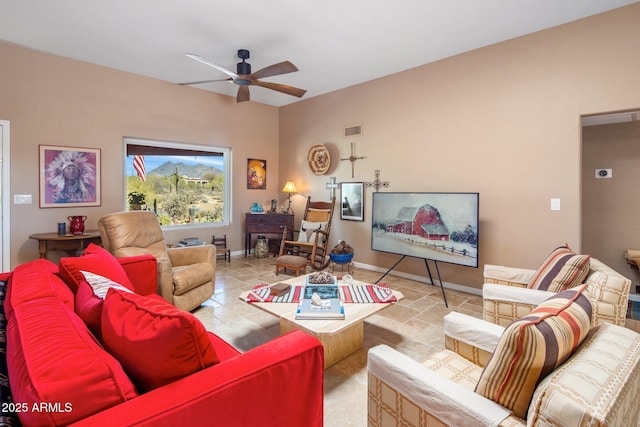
(289, 188)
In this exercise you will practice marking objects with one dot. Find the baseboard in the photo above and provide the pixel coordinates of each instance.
(422, 279)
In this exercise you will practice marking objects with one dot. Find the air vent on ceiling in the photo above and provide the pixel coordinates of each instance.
(353, 131)
(604, 119)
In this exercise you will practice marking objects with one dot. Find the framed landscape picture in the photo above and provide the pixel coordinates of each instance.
(69, 176)
(352, 202)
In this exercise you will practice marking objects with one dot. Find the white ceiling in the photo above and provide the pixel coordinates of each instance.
(334, 43)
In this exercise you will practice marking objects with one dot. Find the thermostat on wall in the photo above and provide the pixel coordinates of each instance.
(604, 173)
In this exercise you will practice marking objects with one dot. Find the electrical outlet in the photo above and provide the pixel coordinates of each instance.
(22, 199)
(604, 173)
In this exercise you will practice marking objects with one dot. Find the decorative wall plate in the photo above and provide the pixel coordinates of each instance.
(319, 159)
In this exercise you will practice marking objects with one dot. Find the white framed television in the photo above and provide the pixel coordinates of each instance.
(430, 225)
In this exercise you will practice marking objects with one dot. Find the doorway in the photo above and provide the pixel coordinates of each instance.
(610, 195)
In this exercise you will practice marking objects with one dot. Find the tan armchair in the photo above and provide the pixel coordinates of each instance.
(506, 297)
(598, 385)
(186, 276)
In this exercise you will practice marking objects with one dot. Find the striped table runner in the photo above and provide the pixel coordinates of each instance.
(348, 293)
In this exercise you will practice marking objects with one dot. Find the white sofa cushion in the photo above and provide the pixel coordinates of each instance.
(449, 402)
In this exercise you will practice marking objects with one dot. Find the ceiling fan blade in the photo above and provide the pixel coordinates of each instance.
(205, 81)
(275, 70)
(212, 64)
(243, 94)
(289, 90)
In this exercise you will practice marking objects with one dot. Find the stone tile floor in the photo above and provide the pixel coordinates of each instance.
(413, 326)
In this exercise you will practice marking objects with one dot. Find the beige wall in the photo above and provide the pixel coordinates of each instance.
(610, 206)
(57, 101)
(503, 121)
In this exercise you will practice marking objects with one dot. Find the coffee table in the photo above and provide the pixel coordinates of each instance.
(339, 338)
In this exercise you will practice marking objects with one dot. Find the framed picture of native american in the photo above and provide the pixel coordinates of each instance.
(69, 176)
(352, 202)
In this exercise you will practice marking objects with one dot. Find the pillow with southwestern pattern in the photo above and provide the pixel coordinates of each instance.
(563, 269)
(7, 418)
(532, 347)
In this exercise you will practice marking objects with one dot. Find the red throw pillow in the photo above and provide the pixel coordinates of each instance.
(95, 260)
(90, 298)
(88, 306)
(155, 342)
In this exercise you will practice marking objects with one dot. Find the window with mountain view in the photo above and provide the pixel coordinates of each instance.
(183, 184)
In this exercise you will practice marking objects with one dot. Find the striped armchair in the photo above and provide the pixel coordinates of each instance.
(597, 385)
(506, 297)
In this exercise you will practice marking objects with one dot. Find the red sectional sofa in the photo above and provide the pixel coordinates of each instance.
(61, 374)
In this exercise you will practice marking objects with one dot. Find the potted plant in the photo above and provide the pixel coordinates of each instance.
(136, 200)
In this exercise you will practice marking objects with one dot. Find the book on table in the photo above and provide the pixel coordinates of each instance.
(330, 306)
(279, 289)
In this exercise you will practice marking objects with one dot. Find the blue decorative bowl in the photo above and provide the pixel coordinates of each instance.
(341, 258)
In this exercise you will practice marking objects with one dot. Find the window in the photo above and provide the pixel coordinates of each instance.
(184, 184)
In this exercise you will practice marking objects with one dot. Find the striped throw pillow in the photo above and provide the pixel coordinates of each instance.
(533, 346)
(563, 269)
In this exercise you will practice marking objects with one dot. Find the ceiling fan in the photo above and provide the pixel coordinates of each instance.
(244, 78)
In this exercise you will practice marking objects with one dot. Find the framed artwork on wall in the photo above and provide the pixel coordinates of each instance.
(69, 176)
(352, 203)
(256, 174)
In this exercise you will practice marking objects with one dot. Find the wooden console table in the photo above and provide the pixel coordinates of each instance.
(265, 224)
(70, 243)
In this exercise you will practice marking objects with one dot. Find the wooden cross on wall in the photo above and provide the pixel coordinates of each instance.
(352, 158)
(376, 184)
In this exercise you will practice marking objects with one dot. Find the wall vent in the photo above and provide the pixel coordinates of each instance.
(353, 131)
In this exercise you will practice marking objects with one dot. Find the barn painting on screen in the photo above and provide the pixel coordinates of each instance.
(436, 226)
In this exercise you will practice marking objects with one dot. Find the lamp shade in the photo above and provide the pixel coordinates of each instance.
(289, 187)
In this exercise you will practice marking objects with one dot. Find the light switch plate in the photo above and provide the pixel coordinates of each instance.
(22, 199)
(555, 204)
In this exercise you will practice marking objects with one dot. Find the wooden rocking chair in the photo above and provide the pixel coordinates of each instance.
(313, 236)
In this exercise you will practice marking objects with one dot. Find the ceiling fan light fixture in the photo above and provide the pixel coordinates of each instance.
(243, 68)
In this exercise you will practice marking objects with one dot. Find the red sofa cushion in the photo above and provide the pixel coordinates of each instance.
(224, 350)
(52, 357)
(96, 260)
(88, 306)
(43, 272)
(156, 342)
(142, 270)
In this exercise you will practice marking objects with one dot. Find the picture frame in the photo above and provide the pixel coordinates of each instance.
(69, 176)
(256, 174)
(352, 201)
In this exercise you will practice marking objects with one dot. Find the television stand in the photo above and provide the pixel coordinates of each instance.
(426, 262)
